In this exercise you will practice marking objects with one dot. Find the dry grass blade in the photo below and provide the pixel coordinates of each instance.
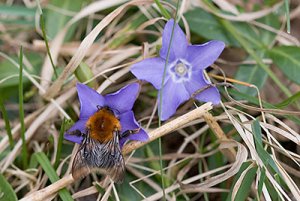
(241, 157)
(86, 44)
(244, 17)
(47, 70)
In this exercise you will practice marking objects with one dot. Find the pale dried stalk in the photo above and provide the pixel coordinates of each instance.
(155, 134)
(213, 124)
(170, 126)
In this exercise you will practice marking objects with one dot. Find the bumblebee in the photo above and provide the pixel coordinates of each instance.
(100, 150)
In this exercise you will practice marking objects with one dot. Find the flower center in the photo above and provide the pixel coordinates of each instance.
(181, 71)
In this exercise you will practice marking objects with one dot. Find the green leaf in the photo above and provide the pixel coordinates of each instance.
(17, 15)
(287, 58)
(6, 191)
(14, 10)
(247, 45)
(263, 154)
(261, 182)
(288, 101)
(9, 70)
(267, 37)
(84, 73)
(53, 177)
(207, 25)
(252, 74)
(55, 21)
(272, 191)
(245, 186)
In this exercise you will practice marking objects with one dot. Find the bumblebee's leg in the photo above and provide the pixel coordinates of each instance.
(129, 132)
(77, 133)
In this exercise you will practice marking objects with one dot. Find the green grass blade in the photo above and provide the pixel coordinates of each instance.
(53, 177)
(42, 21)
(263, 154)
(21, 112)
(6, 191)
(245, 187)
(59, 145)
(287, 14)
(7, 124)
(261, 182)
(163, 11)
(294, 98)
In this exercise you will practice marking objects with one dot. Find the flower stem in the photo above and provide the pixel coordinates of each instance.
(160, 103)
(42, 21)
(7, 124)
(21, 112)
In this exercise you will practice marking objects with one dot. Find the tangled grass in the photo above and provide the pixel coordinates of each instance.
(246, 148)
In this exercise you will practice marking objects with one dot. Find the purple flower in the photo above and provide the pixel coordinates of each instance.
(120, 102)
(184, 71)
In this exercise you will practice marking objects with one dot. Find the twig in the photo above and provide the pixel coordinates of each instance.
(213, 124)
(159, 132)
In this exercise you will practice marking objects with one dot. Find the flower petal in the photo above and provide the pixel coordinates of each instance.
(202, 56)
(74, 138)
(128, 122)
(151, 70)
(211, 94)
(173, 95)
(80, 126)
(89, 100)
(197, 82)
(123, 100)
(179, 42)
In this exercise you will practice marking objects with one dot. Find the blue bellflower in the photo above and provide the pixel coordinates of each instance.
(120, 102)
(184, 70)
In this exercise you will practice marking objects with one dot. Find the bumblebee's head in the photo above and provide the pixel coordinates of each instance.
(103, 124)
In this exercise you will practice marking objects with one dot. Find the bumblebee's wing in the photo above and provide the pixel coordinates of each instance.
(115, 165)
(102, 157)
(79, 168)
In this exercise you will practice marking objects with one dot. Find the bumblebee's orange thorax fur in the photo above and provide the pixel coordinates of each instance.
(103, 124)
